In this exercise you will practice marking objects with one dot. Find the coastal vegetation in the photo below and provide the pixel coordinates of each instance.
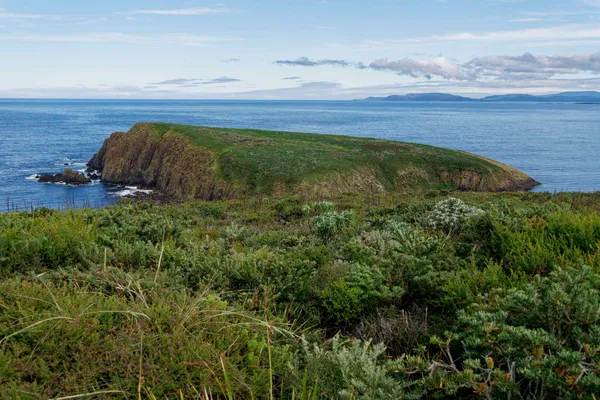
(428, 294)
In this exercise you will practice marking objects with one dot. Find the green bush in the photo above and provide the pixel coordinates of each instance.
(448, 214)
(331, 223)
(546, 334)
(351, 370)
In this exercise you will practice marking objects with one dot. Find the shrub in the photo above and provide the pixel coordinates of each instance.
(235, 232)
(448, 214)
(350, 370)
(546, 334)
(535, 244)
(39, 241)
(324, 206)
(289, 209)
(540, 340)
(331, 223)
(418, 261)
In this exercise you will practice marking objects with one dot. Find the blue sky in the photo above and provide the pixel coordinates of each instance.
(296, 49)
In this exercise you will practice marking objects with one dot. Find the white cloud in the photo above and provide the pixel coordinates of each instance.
(306, 62)
(564, 43)
(505, 68)
(185, 82)
(563, 32)
(439, 66)
(175, 38)
(41, 17)
(528, 66)
(184, 11)
(525, 20)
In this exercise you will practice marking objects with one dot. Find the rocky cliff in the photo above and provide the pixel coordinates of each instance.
(170, 163)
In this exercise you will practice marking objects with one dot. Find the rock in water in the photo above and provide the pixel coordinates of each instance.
(68, 176)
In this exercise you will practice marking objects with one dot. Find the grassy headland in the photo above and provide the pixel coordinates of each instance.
(494, 295)
(209, 163)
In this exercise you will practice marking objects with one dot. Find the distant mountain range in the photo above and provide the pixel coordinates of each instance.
(565, 97)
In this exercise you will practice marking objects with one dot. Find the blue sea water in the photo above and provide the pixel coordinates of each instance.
(556, 144)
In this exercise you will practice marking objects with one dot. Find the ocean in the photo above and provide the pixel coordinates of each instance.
(556, 144)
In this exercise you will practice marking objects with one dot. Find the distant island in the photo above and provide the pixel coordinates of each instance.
(565, 97)
(422, 97)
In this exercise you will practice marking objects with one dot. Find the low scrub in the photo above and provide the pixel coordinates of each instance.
(420, 296)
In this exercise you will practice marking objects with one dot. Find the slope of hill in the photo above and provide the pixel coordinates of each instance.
(565, 97)
(211, 163)
(422, 97)
(551, 98)
(513, 97)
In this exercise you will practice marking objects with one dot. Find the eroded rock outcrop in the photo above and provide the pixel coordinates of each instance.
(169, 163)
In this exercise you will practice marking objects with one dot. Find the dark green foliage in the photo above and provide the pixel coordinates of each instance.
(495, 295)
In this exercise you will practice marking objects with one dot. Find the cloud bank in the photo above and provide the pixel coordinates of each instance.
(184, 82)
(526, 66)
(184, 11)
(305, 62)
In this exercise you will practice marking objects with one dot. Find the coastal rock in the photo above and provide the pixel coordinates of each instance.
(170, 163)
(68, 176)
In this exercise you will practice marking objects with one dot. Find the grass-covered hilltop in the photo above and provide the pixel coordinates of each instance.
(423, 293)
(211, 163)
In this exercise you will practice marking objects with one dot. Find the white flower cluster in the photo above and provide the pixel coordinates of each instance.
(447, 214)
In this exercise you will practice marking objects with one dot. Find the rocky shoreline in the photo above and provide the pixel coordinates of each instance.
(91, 175)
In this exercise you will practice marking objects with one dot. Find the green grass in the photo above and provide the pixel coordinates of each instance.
(264, 160)
(365, 297)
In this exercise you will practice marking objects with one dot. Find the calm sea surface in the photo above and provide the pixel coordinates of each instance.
(556, 144)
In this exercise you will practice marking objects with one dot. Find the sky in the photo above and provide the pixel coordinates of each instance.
(296, 49)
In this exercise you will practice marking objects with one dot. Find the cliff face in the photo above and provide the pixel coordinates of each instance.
(508, 181)
(207, 163)
(169, 163)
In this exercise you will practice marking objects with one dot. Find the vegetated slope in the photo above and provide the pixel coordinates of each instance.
(212, 163)
(390, 296)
